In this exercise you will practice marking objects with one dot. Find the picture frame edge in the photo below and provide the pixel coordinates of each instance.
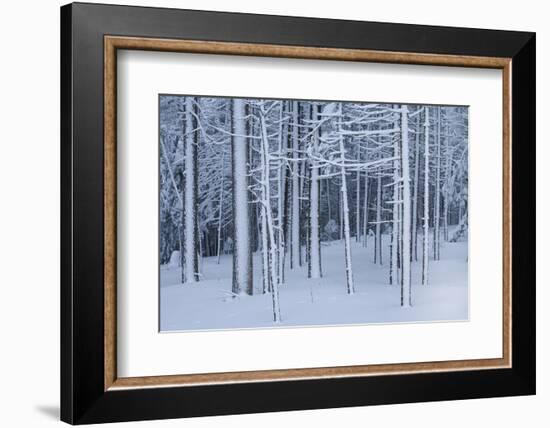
(83, 401)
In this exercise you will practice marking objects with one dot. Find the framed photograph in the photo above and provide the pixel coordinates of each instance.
(265, 213)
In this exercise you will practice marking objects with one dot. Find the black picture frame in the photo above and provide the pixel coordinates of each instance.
(83, 397)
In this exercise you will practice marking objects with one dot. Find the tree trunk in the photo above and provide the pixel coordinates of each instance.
(242, 251)
(426, 196)
(414, 226)
(406, 248)
(281, 177)
(303, 222)
(268, 215)
(295, 214)
(220, 213)
(358, 199)
(345, 211)
(378, 234)
(366, 210)
(447, 190)
(191, 243)
(265, 254)
(314, 259)
(327, 190)
(341, 214)
(437, 199)
(396, 224)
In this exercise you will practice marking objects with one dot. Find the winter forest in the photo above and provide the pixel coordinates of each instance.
(299, 213)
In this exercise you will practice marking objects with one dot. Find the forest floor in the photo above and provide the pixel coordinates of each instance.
(209, 303)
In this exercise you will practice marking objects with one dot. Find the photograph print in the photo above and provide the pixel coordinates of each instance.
(297, 213)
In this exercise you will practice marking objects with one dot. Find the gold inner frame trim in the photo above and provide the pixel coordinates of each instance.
(113, 43)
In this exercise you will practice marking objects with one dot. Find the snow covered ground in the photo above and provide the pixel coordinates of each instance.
(209, 304)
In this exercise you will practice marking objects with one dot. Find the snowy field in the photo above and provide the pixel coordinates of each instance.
(209, 304)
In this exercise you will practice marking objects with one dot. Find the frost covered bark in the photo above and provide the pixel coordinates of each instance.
(396, 221)
(242, 251)
(416, 183)
(366, 209)
(295, 210)
(345, 207)
(378, 225)
(406, 258)
(437, 190)
(190, 239)
(269, 248)
(314, 260)
(426, 217)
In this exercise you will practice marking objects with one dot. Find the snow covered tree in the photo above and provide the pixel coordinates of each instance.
(295, 194)
(395, 206)
(268, 236)
(242, 251)
(406, 248)
(345, 206)
(437, 185)
(282, 152)
(378, 222)
(314, 247)
(366, 209)
(416, 184)
(190, 239)
(426, 217)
